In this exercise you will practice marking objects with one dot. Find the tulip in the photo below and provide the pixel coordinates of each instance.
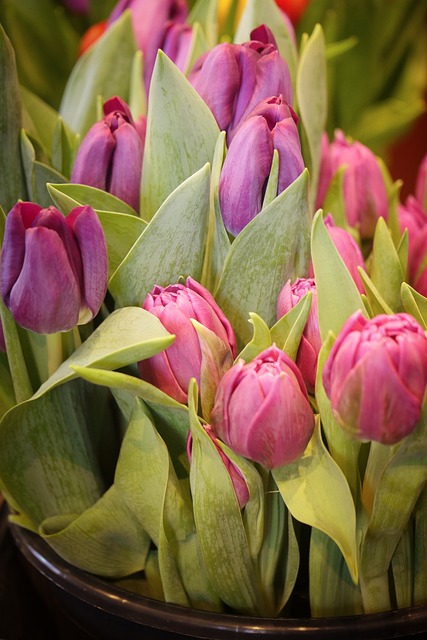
(233, 78)
(177, 43)
(311, 341)
(150, 21)
(53, 270)
(239, 483)
(110, 155)
(364, 189)
(414, 219)
(271, 125)
(348, 249)
(262, 410)
(175, 306)
(376, 376)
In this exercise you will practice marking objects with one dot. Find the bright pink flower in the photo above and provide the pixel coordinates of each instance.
(262, 410)
(414, 219)
(376, 376)
(175, 305)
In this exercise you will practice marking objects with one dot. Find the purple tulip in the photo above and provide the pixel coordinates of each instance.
(376, 376)
(53, 271)
(365, 194)
(414, 219)
(110, 155)
(262, 410)
(151, 21)
(172, 369)
(233, 78)
(348, 249)
(311, 341)
(177, 42)
(271, 125)
(239, 483)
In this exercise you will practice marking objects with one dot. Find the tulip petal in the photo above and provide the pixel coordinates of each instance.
(126, 165)
(94, 157)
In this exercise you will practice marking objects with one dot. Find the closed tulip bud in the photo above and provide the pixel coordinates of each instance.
(175, 306)
(376, 376)
(53, 272)
(271, 125)
(348, 249)
(311, 341)
(239, 483)
(177, 42)
(414, 219)
(110, 155)
(233, 78)
(150, 21)
(365, 194)
(262, 410)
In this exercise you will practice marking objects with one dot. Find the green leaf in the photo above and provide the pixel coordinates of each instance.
(288, 330)
(316, 492)
(415, 304)
(271, 249)
(258, 12)
(64, 147)
(311, 94)
(420, 549)
(39, 119)
(103, 70)
(137, 96)
(18, 370)
(260, 341)
(47, 461)
(375, 300)
(105, 539)
(273, 180)
(205, 13)
(386, 269)
(171, 246)
(126, 336)
(334, 200)
(337, 294)
(12, 181)
(67, 196)
(181, 135)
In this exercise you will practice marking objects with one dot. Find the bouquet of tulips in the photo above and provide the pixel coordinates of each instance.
(213, 320)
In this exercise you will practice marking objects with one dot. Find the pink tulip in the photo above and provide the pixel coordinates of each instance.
(376, 376)
(262, 410)
(311, 341)
(414, 219)
(175, 305)
(53, 270)
(365, 194)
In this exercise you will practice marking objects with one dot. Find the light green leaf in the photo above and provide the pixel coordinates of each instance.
(12, 181)
(137, 96)
(311, 93)
(334, 199)
(273, 180)
(316, 492)
(386, 269)
(375, 300)
(67, 196)
(181, 135)
(103, 70)
(415, 304)
(39, 119)
(260, 341)
(337, 294)
(106, 539)
(18, 369)
(257, 12)
(271, 249)
(126, 336)
(205, 14)
(288, 330)
(64, 147)
(171, 246)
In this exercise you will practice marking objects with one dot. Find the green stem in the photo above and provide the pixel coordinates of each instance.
(54, 352)
(375, 593)
(18, 368)
(420, 550)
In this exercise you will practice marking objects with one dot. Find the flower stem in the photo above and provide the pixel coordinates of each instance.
(375, 593)
(18, 368)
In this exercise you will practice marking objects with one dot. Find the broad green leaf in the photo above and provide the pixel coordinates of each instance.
(104, 69)
(260, 341)
(332, 591)
(171, 246)
(402, 564)
(219, 524)
(258, 12)
(181, 135)
(39, 119)
(420, 549)
(316, 493)
(67, 196)
(12, 181)
(311, 94)
(47, 461)
(334, 200)
(337, 294)
(270, 250)
(415, 304)
(205, 13)
(287, 331)
(375, 299)
(106, 539)
(126, 336)
(386, 269)
(64, 147)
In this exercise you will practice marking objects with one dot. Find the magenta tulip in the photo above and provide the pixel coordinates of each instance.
(175, 306)
(110, 155)
(271, 125)
(150, 21)
(262, 410)
(239, 483)
(53, 271)
(311, 341)
(376, 376)
(365, 194)
(414, 219)
(233, 78)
